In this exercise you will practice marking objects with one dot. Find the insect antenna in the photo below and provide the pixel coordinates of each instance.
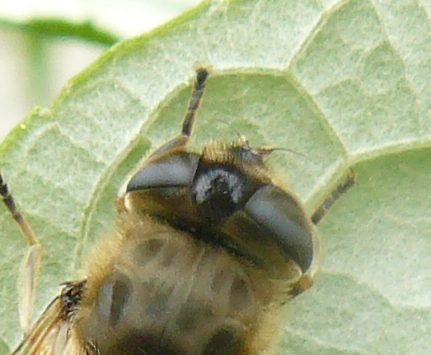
(266, 151)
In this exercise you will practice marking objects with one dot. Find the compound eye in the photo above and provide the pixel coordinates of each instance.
(169, 171)
(283, 221)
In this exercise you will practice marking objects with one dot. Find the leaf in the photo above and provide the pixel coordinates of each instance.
(344, 83)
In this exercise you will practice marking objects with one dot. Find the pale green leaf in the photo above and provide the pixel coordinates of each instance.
(345, 84)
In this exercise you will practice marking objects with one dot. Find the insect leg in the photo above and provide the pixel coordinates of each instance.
(306, 280)
(340, 190)
(186, 130)
(32, 260)
(190, 117)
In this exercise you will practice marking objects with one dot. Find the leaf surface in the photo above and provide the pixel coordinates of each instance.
(345, 84)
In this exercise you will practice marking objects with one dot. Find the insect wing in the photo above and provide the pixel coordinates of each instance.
(50, 335)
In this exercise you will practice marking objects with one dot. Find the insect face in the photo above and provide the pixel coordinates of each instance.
(207, 249)
(201, 235)
(226, 197)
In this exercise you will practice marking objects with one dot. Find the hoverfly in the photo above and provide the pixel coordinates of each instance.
(206, 250)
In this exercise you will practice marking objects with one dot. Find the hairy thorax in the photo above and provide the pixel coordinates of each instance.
(160, 291)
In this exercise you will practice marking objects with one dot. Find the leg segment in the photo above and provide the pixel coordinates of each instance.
(340, 190)
(32, 260)
(188, 123)
(190, 117)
